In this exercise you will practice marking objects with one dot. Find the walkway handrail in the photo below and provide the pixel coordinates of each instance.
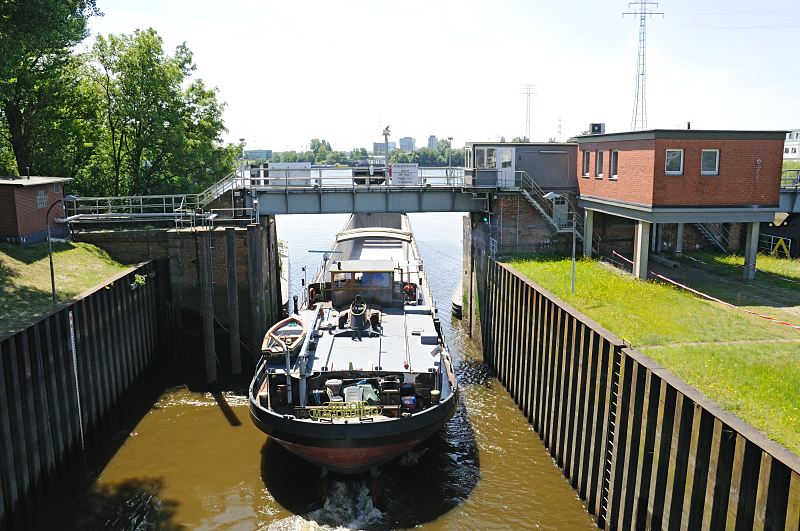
(790, 179)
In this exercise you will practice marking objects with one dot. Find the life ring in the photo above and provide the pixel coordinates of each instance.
(312, 295)
(410, 291)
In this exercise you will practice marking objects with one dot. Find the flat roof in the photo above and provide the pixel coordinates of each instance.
(519, 144)
(356, 266)
(32, 180)
(711, 134)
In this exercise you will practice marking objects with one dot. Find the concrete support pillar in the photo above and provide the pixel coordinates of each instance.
(641, 248)
(658, 234)
(750, 250)
(207, 304)
(233, 301)
(679, 240)
(256, 294)
(588, 230)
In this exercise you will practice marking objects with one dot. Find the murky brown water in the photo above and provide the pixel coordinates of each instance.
(196, 461)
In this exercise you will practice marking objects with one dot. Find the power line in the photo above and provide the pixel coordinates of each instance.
(528, 90)
(639, 116)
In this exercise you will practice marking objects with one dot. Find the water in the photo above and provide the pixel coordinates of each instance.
(195, 461)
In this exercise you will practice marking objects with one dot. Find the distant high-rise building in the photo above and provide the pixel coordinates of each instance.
(432, 142)
(379, 148)
(407, 144)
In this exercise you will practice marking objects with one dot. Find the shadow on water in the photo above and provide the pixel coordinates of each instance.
(417, 488)
(74, 500)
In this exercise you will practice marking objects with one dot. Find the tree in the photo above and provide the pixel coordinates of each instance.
(156, 135)
(358, 154)
(35, 41)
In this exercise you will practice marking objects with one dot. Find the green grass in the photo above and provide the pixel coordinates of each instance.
(791, 165)
(749, 365)
(25, 277)
(767, 266)
(759, 383)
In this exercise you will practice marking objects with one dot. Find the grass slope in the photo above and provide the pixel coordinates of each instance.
(25, 277)
(748, 365)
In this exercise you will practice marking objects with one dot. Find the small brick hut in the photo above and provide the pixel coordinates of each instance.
(23, 204)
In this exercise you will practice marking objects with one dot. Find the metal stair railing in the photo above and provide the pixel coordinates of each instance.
(535, 195)
(715, 233)
(233, 181)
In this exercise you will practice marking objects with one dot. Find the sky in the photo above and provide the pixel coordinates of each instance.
(341, 70)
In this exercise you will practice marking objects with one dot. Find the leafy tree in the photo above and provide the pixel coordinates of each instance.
(35, 41)
(156, 135)
(358, 154)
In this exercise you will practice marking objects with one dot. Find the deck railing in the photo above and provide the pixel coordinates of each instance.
(790, 179)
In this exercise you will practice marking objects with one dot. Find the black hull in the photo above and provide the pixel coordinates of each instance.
(352, 448)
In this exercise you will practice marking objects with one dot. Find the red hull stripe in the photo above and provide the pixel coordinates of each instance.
(350, 459)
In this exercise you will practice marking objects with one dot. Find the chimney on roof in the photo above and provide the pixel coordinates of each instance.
(688, 125)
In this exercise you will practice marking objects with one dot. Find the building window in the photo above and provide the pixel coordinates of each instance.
(491, 158)
(486, 158)
(614, 164)
(585, 163)
(468, 158)
(41, 199)
(786, 150)
(506, 156)
(709, 162)
(598, 165)
(674, 162)
(794, 150)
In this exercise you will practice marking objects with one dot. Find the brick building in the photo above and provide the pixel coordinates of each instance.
(23, 204)
(680, 176)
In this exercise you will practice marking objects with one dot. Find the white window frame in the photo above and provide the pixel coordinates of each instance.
(41, 199)
(709, 172)
(668, 172)
(586, 168)
(598, 164)
(613, 160)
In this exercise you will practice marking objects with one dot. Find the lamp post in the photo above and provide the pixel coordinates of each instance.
(50, 244)
(449, 151)
(386, 134)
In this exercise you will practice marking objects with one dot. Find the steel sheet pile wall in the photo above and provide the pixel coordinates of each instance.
(641, 447)
(48, 403)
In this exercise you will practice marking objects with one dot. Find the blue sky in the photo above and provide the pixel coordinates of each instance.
(341, 70)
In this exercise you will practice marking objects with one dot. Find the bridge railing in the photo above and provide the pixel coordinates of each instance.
(790, 179)
(132, 205)
(327, 178)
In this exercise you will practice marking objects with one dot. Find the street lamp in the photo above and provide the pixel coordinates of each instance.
(552, 196)
(386, 134)
(449, 151)
(50, 244)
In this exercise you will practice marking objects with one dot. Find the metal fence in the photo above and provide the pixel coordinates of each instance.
(61, 375)
(642, 448)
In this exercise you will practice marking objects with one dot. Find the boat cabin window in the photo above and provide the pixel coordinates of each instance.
(375, 287)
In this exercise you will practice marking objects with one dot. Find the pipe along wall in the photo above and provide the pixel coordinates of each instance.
(641, 447)
(61, 376)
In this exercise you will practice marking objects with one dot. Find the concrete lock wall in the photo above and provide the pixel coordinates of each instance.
(61, 376)
(642, 448)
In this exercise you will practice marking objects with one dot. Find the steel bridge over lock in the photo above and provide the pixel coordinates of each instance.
(242, 198)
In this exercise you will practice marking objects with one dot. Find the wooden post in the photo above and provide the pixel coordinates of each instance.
(254, 256)
(233, 301)
(207, 303)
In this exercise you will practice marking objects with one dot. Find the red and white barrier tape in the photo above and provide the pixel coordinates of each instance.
(709, 297)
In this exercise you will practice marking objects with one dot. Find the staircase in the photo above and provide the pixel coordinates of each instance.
(534, 194)
(715, 233)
